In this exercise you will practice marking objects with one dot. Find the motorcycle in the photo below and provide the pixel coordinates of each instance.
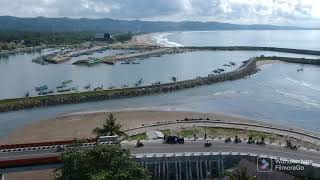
(207, 144)
(139, 144)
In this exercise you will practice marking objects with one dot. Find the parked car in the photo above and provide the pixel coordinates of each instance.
(173, 139)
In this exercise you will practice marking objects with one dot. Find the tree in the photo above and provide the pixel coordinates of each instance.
(101, 163)
(240, 174)
(110, 127)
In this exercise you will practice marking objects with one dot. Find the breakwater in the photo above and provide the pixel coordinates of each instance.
(290, 60)
(248, 68)
(6, 105)
(252, 48)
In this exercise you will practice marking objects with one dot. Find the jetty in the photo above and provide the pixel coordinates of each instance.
(143, 54)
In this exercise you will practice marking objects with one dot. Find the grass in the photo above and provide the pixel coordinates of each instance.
(166, 132)
(142, 136)
(226, 132)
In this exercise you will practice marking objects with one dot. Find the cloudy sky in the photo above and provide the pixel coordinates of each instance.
(279, 12)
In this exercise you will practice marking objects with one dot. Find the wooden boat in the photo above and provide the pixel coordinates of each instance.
(93, 61)
(62, 86)
(135, 62)
(41, 88)
(87, 86)
(43, 93)
(67, 82)
(64, 90)
(109, 62)
(125, 62)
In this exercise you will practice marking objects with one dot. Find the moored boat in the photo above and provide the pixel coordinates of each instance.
(87, 86)
(43, 93)
(67, 82)
(64, 90)
(61, 86)
(41, 88)
(92, 61)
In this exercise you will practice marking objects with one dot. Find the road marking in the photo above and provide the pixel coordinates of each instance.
(266, 149)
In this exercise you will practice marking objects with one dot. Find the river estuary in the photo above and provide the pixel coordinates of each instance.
(277, 94)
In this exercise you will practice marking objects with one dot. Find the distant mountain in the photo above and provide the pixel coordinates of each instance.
(42, 24)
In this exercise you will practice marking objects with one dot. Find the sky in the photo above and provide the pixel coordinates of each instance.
(278, 12)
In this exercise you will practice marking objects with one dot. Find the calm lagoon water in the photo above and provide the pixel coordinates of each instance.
(277, 94)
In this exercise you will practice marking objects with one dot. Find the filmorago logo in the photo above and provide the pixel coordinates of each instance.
(264, 165)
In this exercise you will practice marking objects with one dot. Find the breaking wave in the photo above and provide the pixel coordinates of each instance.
(162, 38)
(304, 84)
(300, 98)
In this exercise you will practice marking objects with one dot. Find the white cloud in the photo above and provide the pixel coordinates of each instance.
(282, 12)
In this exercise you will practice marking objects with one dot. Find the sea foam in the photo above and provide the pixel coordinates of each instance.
(162, 39)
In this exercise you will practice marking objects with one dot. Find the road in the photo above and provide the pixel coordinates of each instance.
(189, 146)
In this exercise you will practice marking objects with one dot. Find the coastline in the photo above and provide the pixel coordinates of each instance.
(80, 125)
(154, 39)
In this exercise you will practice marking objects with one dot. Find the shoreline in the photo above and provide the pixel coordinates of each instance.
(80, 124)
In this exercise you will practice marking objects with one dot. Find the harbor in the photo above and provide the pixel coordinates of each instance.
(248, 68)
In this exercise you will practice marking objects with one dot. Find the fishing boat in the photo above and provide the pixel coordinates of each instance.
(125, 62)
(41, 88)
(61, 86)
(98, 88)
(87, 86)
(67, 82)
(109, 62)
(125, 85)
(43, 93)
(92, 61)
(135, 62)
(156, 83)
(64, 90)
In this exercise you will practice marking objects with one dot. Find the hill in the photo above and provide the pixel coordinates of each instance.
(43, 24)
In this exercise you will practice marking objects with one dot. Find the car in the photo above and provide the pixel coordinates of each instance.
(173, 139)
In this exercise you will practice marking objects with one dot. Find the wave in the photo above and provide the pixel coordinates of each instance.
(304, 84)
(162, 38)
(300, 98)
(230, 92)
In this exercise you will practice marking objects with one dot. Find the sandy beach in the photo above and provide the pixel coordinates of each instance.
(80, 125)
(144, 39)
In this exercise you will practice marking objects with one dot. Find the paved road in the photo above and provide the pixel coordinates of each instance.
(190, 146)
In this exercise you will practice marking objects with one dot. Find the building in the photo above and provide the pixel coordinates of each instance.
(102, 36)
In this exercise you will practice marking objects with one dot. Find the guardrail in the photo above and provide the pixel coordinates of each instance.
(43, 144)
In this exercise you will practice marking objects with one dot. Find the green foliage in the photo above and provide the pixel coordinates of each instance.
(123, 37)
(110, 127)
(30, 39)
(101, 163)
(142, 136)
(240, 174)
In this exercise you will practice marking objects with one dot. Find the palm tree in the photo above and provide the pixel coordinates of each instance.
(240, 174)
(109, 128)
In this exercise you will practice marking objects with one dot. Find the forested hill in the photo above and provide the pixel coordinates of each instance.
(42, 24)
